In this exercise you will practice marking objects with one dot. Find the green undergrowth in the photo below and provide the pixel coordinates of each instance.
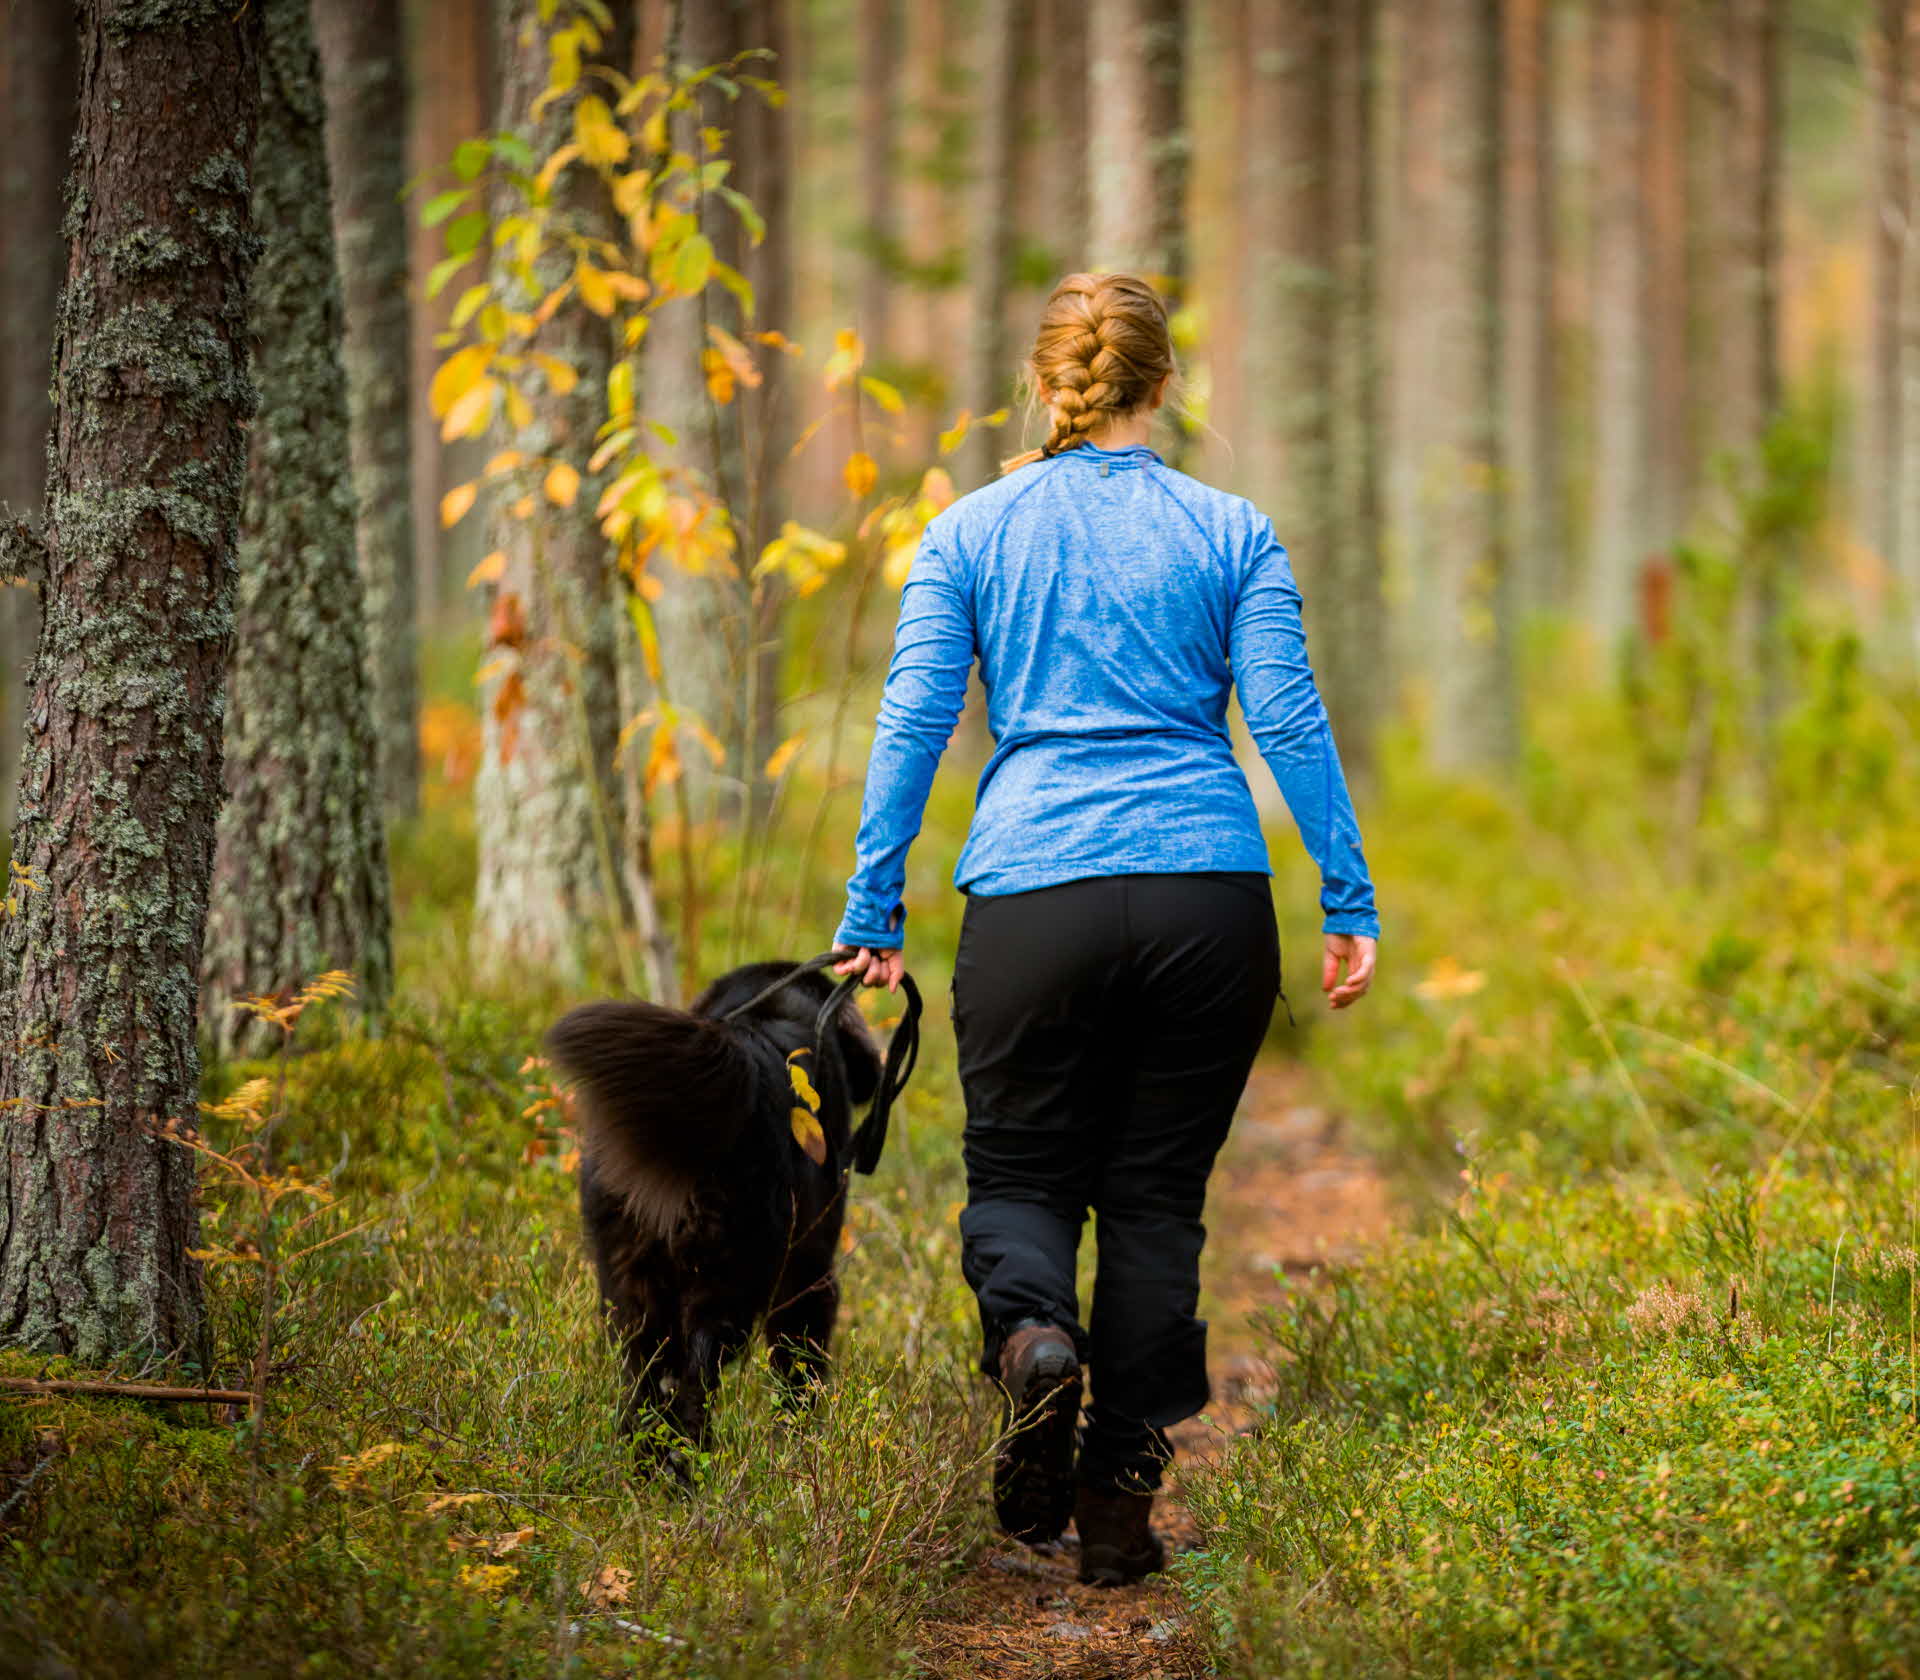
(1635, 1390)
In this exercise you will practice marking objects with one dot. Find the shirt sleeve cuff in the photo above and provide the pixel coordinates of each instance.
(1352, 921)
(855, 932)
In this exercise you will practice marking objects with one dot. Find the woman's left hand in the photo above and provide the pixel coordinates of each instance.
(875, 968)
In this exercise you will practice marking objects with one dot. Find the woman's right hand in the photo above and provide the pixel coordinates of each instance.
(1354, 953)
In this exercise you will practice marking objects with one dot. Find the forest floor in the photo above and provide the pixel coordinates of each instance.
(1292, 1192)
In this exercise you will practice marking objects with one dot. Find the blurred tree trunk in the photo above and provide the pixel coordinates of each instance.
(1447, 515)
(1223, 144)
(363, 54)
(1619, 338)
(1529, 412)
(990, 244)
(1137, 138)
(300, 872)
(1904, 458)
(1665, 230)
(880, 234)
(39, 55)
(545, 810)
(1882, 448)
(121, 779)
(453, 87)
(1352, 671)
(1059, 97)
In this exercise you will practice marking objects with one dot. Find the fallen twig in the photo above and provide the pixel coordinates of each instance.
(127, 1391)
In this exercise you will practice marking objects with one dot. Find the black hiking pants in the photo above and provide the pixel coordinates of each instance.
(1106, 1028)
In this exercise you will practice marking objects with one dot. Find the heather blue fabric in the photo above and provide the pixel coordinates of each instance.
(1111, 602)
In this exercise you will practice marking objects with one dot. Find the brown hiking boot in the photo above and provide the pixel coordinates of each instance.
(1033, 1465)
(1117, 1542)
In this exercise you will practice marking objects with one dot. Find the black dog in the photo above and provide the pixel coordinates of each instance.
(704, 1211)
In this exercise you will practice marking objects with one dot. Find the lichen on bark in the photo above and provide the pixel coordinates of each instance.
(300, 878)
(120, 777)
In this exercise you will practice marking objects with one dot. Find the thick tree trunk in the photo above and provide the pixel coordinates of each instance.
(1619, 338)
(363, 53)
(1137, 137)
(989, 365)
(300, 876)
(1664, 225)
(1529, 430)
(546, 809)
(40, 56)
(1447, 521)
(1058, 95)
(121, 779)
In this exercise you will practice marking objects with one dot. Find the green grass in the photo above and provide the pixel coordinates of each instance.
(1634, 1392)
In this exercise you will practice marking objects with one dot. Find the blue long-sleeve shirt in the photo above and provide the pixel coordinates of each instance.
(1111, 602)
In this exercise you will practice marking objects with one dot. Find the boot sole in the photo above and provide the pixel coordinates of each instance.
(1033, 1483)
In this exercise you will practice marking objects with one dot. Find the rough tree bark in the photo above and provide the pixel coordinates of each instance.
(121, 777)
(989, 364)
(300, 876)
(363, 53)
(1619, 321)
(1137, 137)
(39, 54)
(1447, 514)
(546, 809)
(1529, 431)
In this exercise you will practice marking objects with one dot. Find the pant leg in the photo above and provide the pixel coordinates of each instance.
(1204, 961)
(1032, 1015)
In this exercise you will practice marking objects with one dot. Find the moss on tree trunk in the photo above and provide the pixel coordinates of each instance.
(120, 779)
(300, 880)
(546, 810)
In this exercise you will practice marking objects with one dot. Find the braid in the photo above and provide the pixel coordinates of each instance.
(1102, 351)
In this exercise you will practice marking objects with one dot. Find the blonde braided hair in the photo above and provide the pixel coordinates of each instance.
(1103, 349)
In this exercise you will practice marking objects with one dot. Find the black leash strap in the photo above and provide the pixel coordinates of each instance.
(903, 1050)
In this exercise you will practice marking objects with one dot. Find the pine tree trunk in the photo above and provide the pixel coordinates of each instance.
(1529, 433)
(300, 875)
(989, 365)
(1448, 517)
(1349, 621)
(1906, 469)
(121, 780)
(545, 802)
(1137, 138)
(879, 70)
(40, 53)
(1619, 340)
(1058, 95)
(1665, 231)
(1878, 445)
(363, 53)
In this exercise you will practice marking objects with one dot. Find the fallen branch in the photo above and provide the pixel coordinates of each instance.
(127, 1391)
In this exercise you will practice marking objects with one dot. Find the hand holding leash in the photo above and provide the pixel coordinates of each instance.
(874, 968)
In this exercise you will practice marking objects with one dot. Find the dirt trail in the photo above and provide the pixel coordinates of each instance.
(1290, 1192)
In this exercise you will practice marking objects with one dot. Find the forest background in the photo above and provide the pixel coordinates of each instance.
(529, 528)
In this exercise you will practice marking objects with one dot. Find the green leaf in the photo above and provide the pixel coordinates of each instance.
(693, 265)
(465, 234)
(750, 218)
(470, 300)
(738, 284)
(443, 205)
(470, 157)
(515, 153)
(884, 394)
(445, 270)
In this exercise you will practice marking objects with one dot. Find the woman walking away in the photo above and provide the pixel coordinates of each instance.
(1118, 962)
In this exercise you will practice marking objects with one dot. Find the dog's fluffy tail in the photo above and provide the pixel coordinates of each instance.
(661, 1095)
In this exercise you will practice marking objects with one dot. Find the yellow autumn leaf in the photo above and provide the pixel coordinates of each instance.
(562, 484)
(561, 376)
(956, 434)
(719, 376)
(1447, 980)
(663, 762)
(596, 289)
(807, 1133)
(486, 1578)
(801, 1083)
(861, 473)
(470, 414)
(505, 461)
(489, 570)
(458, 374)
(844, 363)
(456, 503)
(603, 143)
(899, 562)
(519, 410)
(782, 756)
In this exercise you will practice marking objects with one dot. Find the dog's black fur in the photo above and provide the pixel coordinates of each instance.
(703, 1215)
